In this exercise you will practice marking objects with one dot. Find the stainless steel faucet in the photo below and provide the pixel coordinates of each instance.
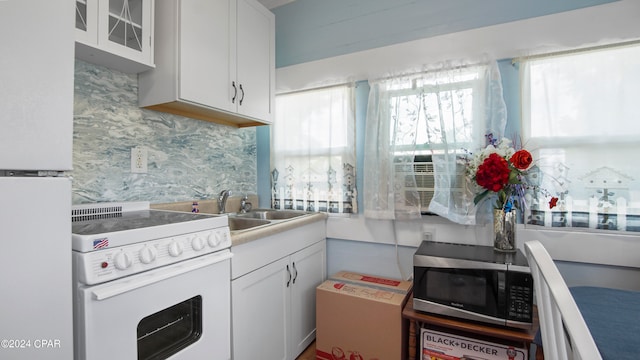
(245, 205)
(222, 200)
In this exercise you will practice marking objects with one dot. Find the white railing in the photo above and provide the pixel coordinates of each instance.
(565, 334)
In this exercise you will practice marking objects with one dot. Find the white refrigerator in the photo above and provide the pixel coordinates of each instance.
(36, 132)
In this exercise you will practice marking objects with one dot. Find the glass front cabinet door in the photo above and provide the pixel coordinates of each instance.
(115, 33)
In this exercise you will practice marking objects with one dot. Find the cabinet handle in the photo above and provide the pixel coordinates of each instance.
(242, 98)
(296, 275)
(235, 92)
(289, 272)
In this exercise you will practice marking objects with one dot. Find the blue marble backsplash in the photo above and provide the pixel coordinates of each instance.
(187, 159)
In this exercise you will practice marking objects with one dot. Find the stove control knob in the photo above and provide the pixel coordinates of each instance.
(197, 243)
(148, 254)
(214, 239)
(175, 248)
(122, 260)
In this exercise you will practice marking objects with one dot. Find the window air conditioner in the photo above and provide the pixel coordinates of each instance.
(425, 184)
(423, 170)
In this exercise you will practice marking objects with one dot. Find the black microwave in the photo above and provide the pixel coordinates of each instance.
(473, 282)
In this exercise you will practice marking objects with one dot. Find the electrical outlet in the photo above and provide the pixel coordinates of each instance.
(139, 160)
(428, 233)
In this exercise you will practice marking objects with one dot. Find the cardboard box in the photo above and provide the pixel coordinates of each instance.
(359, 317)
(437, 345)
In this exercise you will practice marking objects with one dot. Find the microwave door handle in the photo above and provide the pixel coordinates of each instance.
(115, 288)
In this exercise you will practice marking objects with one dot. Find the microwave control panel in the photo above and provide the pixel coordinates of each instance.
(520, 297)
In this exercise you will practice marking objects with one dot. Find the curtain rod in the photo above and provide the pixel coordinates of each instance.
(389, 77)
(574, 51)
(433, 70)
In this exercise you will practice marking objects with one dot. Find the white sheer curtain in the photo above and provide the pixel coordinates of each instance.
(313, 151)
(580, 119)
(442, 111)
(585, 96)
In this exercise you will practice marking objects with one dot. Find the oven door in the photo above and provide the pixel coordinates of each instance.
(181, 311)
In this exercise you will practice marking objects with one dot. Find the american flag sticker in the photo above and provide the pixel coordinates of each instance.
(100, 243)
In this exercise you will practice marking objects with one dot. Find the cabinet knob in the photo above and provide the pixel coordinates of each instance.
(242, 98)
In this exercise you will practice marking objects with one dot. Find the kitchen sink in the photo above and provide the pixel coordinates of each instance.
(242, 223)
(271, 214)
(262, 217)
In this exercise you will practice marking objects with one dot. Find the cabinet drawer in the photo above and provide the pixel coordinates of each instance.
(255, 254)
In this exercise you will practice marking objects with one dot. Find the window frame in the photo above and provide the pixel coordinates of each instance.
(428, 148)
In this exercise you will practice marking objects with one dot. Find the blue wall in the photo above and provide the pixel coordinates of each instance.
(309, 30)
(263, 143)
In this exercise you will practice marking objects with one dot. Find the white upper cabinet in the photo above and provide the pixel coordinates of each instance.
(206, 67)
(255, 48)
(116, 33)
(215, 61)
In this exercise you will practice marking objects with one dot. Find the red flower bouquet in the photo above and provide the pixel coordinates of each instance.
(501, 170)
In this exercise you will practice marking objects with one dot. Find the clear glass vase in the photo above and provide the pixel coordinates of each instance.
(504, 230)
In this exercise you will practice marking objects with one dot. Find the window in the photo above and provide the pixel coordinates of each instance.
(313, 151)
(581, 115)
(439, 111)
(430, 114)
(417, 126)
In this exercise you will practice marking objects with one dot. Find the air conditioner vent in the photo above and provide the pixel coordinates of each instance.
(424, 179)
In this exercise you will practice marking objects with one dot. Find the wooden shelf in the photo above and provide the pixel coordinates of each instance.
(417, 320)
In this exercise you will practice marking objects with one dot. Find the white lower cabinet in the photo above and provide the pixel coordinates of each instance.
(261, 313)
(274, 306)
(308, 270)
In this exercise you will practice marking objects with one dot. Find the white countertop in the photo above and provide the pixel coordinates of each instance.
(243, 236)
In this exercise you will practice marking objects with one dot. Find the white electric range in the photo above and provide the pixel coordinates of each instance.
(150, 284)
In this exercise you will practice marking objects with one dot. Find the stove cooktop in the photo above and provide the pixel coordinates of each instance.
(130, 223)
(133, 220)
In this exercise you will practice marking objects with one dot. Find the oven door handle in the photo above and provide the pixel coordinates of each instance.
(116, 288)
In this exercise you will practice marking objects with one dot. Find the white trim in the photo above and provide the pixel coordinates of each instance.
(601, 247)
(596, 247)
